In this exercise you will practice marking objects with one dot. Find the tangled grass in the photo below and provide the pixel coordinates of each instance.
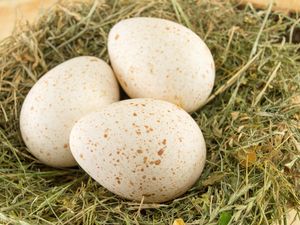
(251, 123)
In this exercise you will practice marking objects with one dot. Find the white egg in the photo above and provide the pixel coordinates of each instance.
(157, 58)
(140, 147)
(60, 98)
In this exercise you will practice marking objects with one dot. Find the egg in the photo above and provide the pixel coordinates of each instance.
(161, 59)
(140, 148)
(60, 98)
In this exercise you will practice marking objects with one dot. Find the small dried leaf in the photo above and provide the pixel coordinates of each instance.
(240, 128)
(230, 143)
(295, 100)
(179, 222)
(218, 132)
(28, 58)
(247, 157)
(244, 117)
(235, 115)
(292, 163)
(214, 178)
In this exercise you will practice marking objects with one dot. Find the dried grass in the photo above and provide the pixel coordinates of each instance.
(251, 123)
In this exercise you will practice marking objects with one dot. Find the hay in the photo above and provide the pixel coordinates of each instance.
(251, 124)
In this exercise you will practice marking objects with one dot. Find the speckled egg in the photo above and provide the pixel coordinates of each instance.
(140, 148)
(161, 59)
(60, 98)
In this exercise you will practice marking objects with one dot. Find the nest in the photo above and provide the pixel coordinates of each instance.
(251, 123)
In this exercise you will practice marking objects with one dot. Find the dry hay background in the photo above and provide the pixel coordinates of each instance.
(251, 124)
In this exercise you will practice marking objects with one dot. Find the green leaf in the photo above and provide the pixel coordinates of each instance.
(224, 218)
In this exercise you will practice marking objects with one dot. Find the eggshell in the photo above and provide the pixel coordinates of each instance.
(140, 147)
(61, 97)
(157, 58)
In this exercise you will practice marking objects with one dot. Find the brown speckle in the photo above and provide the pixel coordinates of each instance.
(81, 156)
(66, 145)
(145, 159)
(160, 152)
(118, 180)
(164, 142)
(148, 195)
(117, 36)
(148, 129)
(157, 162)
(144, 176)
(151, 70)
(134, 114)
(105, 135)
(139, 151)
(93, 60)
(153, 178)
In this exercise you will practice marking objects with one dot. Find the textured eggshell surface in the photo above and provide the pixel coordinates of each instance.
(140, 147)
(157, 58)
(60, 98)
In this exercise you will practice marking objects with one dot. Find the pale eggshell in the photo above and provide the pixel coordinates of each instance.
(158, 58)
(60, 98)
(140, 147)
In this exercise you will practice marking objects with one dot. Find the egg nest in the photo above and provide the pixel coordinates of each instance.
(251, 122)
